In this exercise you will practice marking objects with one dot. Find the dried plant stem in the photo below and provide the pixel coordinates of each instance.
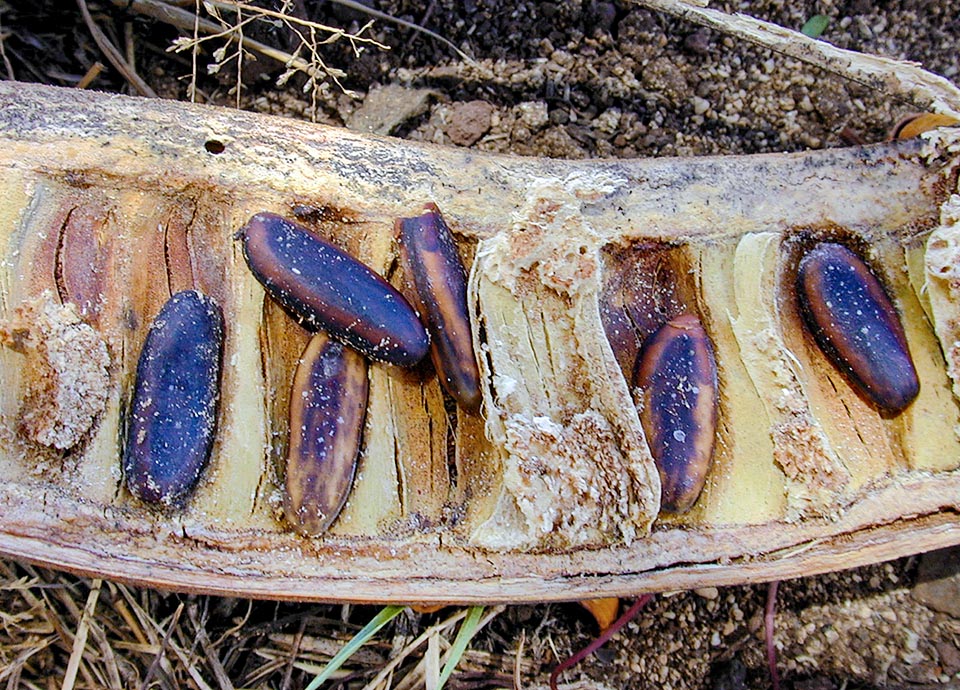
(158, 659)
(310, 34)
(3, 55)
(601, 640)
(190, 21)
(12, 669)
(294, 651)
(517, 660)
(905, 80)
(769, 618)
(92, 73)
(213, 660)
(80, 639)
(113, 54)
(356, 6)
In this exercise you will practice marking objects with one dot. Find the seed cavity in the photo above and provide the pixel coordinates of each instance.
(327, 289)
(173, 414)
(855, 325)
(439, 291)
(676, 374)
(328, 404)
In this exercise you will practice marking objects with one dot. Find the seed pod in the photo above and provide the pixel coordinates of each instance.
(173, 414)
(328, 404)
(328, 289)
(855, 325)
(677, 376)
(432, 264)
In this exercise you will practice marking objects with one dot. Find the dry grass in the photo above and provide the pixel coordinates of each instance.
(61, 631)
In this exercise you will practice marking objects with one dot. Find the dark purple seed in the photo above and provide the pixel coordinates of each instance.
(855, 325)
(173, 413)
(327, 289)
(677, 376)
(328, 403)
(439, 282)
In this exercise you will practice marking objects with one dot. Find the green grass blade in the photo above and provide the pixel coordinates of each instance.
(467, 630)
(815, 26)
(387, 614)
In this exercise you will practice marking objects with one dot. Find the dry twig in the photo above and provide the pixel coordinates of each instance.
(3, 54)
(113, 54)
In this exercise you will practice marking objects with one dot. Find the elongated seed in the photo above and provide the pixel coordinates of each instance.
(676, 373)
(328, 404)
(855, 325)
(173, 413)
(432, 264)
(328, 289)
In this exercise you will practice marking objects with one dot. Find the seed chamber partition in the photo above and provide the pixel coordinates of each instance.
(550, 492)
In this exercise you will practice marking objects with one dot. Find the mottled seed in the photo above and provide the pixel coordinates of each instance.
(676, 373)
(328, 403)
(173, 413)
(328, 289)
(855, 325)
(439, 283)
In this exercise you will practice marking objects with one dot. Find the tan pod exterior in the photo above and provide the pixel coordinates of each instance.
(111, 204)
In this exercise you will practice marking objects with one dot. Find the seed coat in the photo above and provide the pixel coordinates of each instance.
(328, 403)
(173, 412)
(439, 281)
(854, 323)
(327, 289)
(676, 373)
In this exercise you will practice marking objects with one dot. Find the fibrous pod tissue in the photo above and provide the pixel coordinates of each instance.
(432, 264)
(328, 404)
(328, 289)
(676, 374)
(173, 412)
(855, 324)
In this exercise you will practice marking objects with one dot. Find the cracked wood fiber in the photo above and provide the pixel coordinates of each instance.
(111, 204)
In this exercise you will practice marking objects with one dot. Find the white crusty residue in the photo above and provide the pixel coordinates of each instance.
(550, 235)
(65, 373)
(570, 481)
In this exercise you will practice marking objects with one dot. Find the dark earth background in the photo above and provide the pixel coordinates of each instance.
(563, 79)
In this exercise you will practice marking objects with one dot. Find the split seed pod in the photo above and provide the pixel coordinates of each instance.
(328, 403)
(856, 326)
(328, 289)
(173, 413)
(676, 373)
(432, 264)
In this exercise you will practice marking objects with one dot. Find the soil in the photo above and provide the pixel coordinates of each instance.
(572, 79)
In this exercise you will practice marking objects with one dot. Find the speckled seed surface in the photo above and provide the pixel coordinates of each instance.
(328, 403)
(328, 289)
(173, 413)
(855, 324)
(433, 266)
(677, 376)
